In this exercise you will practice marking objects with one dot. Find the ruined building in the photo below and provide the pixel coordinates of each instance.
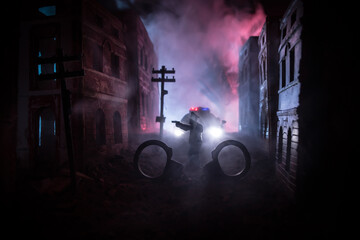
(249, 88)
(289, 90)
(309, 148)
(269, 81)
(313, 147)
(143, 95)
(96, 63)
(308, 100)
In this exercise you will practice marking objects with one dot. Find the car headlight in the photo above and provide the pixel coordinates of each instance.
(178, 132)
(215, 132)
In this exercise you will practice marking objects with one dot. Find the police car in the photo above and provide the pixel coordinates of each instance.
(212, 125)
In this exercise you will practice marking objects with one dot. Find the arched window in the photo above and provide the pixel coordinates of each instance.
(280, 145)
(117, 127)
(288, 151)
(100, 127)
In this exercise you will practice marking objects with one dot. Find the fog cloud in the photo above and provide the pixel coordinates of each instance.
(201, 39)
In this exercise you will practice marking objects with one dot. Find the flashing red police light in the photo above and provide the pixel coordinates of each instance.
(196, 109)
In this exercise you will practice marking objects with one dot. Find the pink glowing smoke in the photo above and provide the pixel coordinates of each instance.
(201, 40)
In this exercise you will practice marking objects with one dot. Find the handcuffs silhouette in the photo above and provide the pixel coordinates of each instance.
(211, 170)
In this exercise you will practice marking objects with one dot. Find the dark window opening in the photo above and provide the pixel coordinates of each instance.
(280, 146)
(46, 49)
(283, 32)
(293, 18)
(146, 62)
(46, 127)
(40, 130)
(100, 127)
(142, 56)
(283, 73)
(148, 106)
(48, 10)
(143, 104)
(98, 58)
(266, 128)
(115, 65)
(46, 150)
(292, 64)
(117, 127)
(98, 21)
(114, 32)
(263, 70)
(264, 124)
(45, 68)
(288, 151)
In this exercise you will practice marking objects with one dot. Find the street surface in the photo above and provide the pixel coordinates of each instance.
(113, 202)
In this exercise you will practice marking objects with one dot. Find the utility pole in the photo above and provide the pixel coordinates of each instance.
(59, 59)
(162, 79)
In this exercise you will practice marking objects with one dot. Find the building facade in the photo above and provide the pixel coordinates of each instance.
(93, 42)
(143, 95)
(269, 81)
(290, 50)
(103, 101)
(249, 88)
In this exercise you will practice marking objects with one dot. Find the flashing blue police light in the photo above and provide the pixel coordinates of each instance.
(196, 109)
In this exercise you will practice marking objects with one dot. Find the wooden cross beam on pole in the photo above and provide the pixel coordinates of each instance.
(162, 79)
